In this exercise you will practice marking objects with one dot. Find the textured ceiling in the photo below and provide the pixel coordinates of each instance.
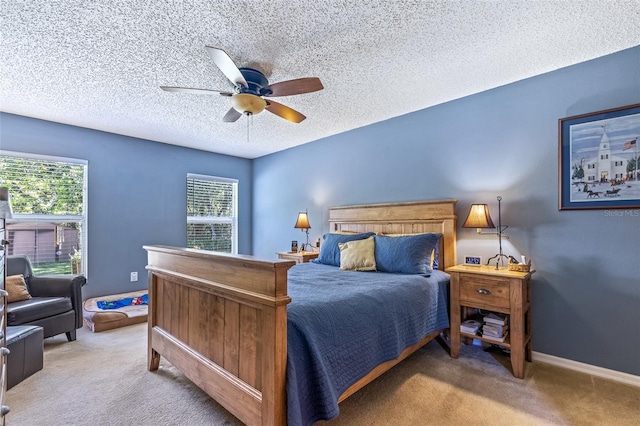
(99, 64)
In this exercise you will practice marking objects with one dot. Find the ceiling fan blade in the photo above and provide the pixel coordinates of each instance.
(296, 87)
(227, 66)
(284, 111)
(231, 116)
(196, 91)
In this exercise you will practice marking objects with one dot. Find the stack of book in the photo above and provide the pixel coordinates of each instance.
(495, 327)
(470, 326)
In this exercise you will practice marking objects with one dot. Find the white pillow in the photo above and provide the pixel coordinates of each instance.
(358, 255)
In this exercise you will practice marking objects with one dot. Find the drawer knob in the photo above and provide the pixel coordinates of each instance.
(4, 293)
(4, 351)
(4, 410)
(483, 291)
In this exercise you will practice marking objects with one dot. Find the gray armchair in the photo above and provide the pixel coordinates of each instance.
(56, 303)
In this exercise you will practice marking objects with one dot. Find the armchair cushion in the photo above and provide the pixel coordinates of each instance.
(17, 288)
(36, 308)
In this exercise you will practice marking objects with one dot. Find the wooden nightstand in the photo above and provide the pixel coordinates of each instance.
(299, 257)
(504, 291)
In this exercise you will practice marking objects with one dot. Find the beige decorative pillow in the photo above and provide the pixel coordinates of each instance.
(17, 288)
(358, 255)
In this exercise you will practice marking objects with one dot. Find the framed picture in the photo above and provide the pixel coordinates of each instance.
(598, 160)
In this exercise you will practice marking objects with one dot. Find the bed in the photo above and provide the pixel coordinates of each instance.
(223, 319)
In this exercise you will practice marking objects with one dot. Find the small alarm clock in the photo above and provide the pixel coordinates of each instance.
(473, 260)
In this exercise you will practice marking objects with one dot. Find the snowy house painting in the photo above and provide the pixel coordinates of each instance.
(606, 165)
(604, 159)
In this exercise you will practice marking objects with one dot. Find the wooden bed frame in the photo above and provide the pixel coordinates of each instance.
(222, 319)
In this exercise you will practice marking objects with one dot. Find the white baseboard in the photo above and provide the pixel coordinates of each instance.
(617, 376)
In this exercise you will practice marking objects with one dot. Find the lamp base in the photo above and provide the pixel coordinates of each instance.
(305, 245)
(499, 259)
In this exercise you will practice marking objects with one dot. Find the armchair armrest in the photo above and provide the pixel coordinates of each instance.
(60, 286)
(56, 285)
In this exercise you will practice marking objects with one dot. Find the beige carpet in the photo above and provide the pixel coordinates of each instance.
(101, 379)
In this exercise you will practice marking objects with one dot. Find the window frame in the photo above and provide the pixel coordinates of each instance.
(233, 220)
(57, 219)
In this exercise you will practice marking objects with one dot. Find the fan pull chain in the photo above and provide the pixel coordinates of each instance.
(249, 118)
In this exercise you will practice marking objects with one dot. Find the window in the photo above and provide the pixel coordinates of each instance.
(48, 198)
(212, 219)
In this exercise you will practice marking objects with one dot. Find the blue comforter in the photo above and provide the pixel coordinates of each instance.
(341, 324)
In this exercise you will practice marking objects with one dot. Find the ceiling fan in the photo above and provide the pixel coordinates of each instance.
(251, 87)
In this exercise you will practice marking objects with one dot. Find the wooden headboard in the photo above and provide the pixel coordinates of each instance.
(438, 216)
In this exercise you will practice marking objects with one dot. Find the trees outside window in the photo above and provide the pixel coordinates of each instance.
(212, 219)
(48, 196)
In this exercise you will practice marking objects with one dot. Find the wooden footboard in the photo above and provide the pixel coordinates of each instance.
(222, 321)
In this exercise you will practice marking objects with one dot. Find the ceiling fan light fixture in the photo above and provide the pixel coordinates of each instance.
(250, 86)
(246, 103)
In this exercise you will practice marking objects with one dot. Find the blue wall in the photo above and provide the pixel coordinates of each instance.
(586, 291)
(137, 193)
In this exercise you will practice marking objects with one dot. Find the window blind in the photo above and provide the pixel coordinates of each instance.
(49, 216)
(212, 213)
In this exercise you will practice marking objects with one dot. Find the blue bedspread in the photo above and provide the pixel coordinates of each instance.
(341, 324)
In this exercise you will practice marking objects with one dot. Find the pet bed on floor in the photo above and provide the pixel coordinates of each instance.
(106, 319)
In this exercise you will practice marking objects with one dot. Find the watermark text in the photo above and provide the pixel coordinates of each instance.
(622, 213)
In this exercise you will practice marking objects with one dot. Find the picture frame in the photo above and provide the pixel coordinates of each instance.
(598, 160)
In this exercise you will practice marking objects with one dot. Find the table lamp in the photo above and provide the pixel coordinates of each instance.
(480, 218)
(303, 224)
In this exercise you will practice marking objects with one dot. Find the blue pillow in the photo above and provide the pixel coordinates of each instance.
(410, 254)
(330, 252)
(436, 254)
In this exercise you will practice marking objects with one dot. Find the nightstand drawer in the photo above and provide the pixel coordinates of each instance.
(484, 292)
